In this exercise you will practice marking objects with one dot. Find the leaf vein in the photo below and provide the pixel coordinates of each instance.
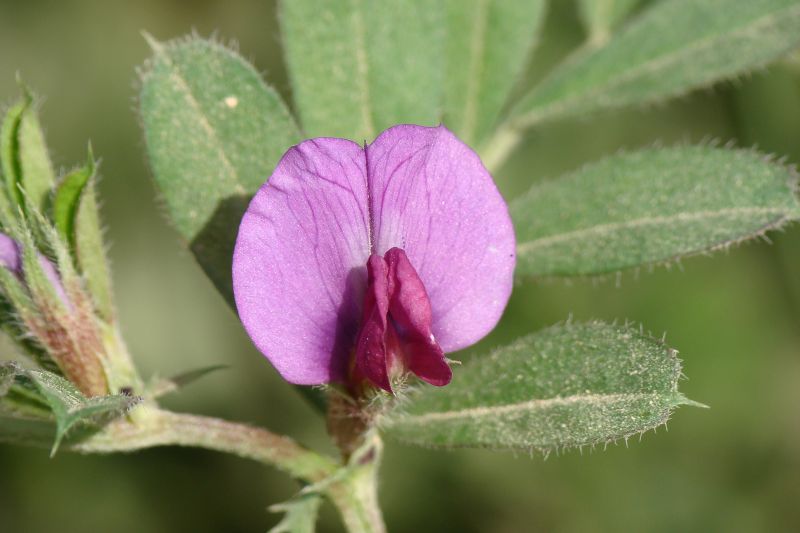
(476, 65)
(529, 405)
(656, 63)
(362, 69)
(205, 123)
(605, 229)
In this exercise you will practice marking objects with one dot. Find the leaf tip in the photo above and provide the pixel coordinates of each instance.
(27, 93)
(151, 41)
(680, 400)
(60, 432)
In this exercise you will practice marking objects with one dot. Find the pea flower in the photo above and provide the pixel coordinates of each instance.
(356, 264)
(57, 317)
(11, 259)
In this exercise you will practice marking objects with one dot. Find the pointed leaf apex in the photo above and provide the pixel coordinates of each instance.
(607, 383)
(27, 93)
(155, 45)
(166, 386)
(60, 432)
(680, 399)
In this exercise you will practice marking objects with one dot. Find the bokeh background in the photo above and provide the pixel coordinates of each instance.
(734, 317)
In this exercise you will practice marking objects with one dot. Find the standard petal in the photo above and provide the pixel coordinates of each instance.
(431, 196)
(299, 264)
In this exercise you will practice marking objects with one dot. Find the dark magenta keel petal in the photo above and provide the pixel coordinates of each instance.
(371, 355)
(426, 360)
(410, 306)
(396, 325)
(410, 310)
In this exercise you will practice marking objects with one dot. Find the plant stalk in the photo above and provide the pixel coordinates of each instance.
(351, 488)
(156, 427)
(355, 495)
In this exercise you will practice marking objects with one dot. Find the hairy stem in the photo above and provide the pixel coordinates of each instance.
(355, 494)
(351, 488)
(351, 485)
(155, 427)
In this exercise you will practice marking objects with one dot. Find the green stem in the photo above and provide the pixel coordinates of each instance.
(351, 488)
(155, 427)
(355, 495)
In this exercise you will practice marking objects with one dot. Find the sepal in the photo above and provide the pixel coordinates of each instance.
(35, 403)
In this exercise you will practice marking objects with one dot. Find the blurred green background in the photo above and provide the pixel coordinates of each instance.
(734, 317)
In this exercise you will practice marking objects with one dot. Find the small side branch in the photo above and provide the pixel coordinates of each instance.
(155, 427)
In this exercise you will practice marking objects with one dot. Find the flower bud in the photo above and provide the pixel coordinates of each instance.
(59, 318)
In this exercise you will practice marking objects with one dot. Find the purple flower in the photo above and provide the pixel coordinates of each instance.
(11, 258)
(10, 254)
(59, 318)
(359, 263)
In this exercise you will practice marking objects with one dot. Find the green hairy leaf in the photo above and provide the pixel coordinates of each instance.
(488, 45)
(672, 48)
(67, 198)
(166, 386)
(19, 398)
(27, 170)
(91, 253)
(300, 514)
(8, 371)
(76, 217)
(214, 132)
(17, 305)
(359, 66)
(43, 292)
(601, 17)
(70, 407)
(568, 386)
(9, 150)
(67, 406)
(651, 206)
(37, 177)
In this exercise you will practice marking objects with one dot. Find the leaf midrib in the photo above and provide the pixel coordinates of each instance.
(362, 68)
(184, 87)
(476, 68)
(651, 66)
(526, 406)
(612, 227)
